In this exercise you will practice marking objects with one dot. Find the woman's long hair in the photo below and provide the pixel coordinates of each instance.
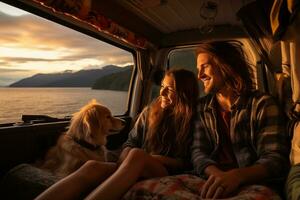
(231, 61)
(168, 130)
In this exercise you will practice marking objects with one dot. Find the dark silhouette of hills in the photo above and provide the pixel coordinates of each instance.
(41, 80)
(116, 81)
(82, 78)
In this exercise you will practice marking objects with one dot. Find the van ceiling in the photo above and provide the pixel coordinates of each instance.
(170, 16)
(170, 22)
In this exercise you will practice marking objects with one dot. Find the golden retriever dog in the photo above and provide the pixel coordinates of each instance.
(85, 139)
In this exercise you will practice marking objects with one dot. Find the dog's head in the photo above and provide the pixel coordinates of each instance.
(93, 123)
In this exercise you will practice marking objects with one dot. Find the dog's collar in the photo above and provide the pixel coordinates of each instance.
(86, 144)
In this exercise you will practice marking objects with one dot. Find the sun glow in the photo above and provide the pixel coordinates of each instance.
(33, 53)
(31, 45)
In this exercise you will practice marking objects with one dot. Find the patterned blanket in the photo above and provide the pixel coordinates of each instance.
(188, 187)
(26, 182)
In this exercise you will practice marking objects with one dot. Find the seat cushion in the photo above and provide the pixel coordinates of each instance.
(25, 182)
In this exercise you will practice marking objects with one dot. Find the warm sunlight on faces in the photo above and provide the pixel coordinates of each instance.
(208, 74)
(167, 92)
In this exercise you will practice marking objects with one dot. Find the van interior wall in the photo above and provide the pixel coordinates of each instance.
(292, 58)
(25, 144)
(291, 42)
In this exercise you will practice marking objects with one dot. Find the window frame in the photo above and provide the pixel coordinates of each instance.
(86, 30)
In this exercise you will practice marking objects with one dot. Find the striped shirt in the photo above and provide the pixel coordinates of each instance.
(257, 134)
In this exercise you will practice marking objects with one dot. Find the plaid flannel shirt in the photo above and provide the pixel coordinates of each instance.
(257, 133)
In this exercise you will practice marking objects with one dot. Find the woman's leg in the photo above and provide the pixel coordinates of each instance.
(86, 178)
(137, 164)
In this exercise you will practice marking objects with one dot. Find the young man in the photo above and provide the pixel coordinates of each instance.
(239, 134)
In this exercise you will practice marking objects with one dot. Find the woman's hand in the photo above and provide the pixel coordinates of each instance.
(221, 184)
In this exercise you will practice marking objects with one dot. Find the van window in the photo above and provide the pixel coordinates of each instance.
(185, 58)
(49, 69)
(180, 58)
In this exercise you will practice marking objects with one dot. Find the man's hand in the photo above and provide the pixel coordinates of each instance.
(221, 184)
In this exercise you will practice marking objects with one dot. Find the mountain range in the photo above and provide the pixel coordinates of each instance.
(109, 77)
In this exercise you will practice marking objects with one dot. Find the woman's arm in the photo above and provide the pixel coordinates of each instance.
(136, 136)
(169, 163)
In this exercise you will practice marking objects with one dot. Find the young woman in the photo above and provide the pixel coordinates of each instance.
(158, 145)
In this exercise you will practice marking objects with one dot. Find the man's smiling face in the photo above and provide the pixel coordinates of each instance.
(209, 74)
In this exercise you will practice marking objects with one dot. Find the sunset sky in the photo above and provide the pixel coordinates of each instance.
(31, 44)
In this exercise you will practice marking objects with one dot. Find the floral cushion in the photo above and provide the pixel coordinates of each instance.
(188, 187)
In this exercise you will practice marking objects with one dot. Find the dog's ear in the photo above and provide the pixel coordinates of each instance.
(93, 102)
(91, 122)
(77, 125)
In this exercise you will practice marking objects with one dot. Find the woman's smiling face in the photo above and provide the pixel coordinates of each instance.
(167, 92)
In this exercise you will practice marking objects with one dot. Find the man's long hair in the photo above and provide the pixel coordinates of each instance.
(169, 128)
(231, 61)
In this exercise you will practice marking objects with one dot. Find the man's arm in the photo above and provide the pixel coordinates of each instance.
(270, 137)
